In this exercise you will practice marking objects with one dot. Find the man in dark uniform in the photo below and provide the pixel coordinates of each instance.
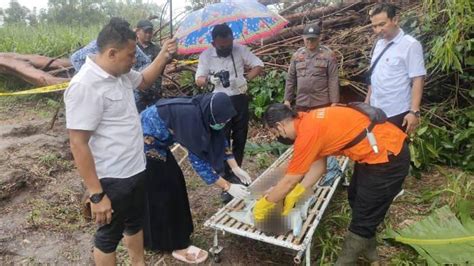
(144, 33)
(312, 73)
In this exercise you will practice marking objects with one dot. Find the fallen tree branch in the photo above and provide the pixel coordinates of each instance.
(28, 68)
(298, 30)
(294, 6)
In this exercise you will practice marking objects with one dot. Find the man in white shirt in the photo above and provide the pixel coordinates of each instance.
(230, 57)
(106, 137)
(397, 80)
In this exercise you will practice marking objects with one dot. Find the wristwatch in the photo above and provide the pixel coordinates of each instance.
(97, 197)
(415, 113)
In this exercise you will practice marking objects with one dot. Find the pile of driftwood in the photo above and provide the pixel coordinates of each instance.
(35, 69)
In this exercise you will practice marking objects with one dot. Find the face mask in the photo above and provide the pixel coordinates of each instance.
(217, 126)
(224, 52)
(285, 140)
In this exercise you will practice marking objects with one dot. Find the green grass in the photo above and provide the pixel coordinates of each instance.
(331, 230)
(405, 258)
(52, 40)
(61, 214)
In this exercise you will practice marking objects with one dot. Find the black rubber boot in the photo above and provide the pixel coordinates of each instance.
(353, 246)
(370, 251)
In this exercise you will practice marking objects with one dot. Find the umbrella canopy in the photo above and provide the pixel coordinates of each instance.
(248, 19)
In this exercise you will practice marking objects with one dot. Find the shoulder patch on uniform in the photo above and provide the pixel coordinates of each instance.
(299, 55)
(327, 53)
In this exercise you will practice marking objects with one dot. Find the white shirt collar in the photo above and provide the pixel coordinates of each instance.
(397, 38)
(213, 51)
(97, 69)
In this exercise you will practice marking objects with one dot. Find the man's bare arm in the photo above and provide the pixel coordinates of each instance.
(318, 169)
(156, 68)
(369, 92)
(417, 92)
(283, 187)
(201, 81)
(254, 72)
(79, 141)
(410, 120)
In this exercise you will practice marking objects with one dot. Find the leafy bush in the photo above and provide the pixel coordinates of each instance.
(440, 145)
(266, 90)
(274, 148)
(446, 135)
(452, 21)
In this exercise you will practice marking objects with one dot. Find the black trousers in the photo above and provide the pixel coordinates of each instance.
(398, 120)
(237, 129)
(127, 197)
(372, 189)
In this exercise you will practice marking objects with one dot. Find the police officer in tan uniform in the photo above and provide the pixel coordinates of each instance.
(313, 74)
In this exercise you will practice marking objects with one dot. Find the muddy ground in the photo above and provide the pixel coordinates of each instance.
(41, 222)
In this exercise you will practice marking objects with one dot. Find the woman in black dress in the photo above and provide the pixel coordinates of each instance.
(196, 124)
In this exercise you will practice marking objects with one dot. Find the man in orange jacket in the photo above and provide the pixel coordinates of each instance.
(378, 174)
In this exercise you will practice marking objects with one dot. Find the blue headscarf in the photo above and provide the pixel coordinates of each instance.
(189, 119)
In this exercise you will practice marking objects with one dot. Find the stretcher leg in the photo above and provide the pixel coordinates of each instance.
(308, 255)
(216, 249)
(344, 167)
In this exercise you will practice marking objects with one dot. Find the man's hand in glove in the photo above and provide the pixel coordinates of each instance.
(238, 191)
(292, 198)
(262, 208)
(242, 175)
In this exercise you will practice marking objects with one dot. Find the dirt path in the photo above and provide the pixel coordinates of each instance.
(40, 221)
(39, 196)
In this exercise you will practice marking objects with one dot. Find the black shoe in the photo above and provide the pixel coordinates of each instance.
(226, 197)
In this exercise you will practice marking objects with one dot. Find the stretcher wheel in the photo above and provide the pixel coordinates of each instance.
(216, 258)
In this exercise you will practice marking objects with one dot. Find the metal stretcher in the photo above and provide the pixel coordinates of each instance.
(221, 221)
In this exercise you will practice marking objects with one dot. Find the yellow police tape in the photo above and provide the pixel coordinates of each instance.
(434, 241)
(63, 86)
(46, 89)
(186, 62)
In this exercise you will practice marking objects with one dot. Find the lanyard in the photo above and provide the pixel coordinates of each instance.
(369, 73)
(233, 63)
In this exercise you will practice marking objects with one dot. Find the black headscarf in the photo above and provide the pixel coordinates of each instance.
(189, 119)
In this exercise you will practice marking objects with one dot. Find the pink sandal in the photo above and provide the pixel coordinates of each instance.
(193, 251)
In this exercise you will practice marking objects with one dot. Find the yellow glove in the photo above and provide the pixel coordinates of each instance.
(262, 208)
(292, 198)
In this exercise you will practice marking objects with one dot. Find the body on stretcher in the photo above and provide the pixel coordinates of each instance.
(277, 223)
(236, 217)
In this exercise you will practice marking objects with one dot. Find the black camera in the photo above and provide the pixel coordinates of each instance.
(223, 76)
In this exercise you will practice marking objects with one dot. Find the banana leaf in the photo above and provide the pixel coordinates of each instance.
(439, 238)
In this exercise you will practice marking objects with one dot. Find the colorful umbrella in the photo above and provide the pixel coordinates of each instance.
(248, 19)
